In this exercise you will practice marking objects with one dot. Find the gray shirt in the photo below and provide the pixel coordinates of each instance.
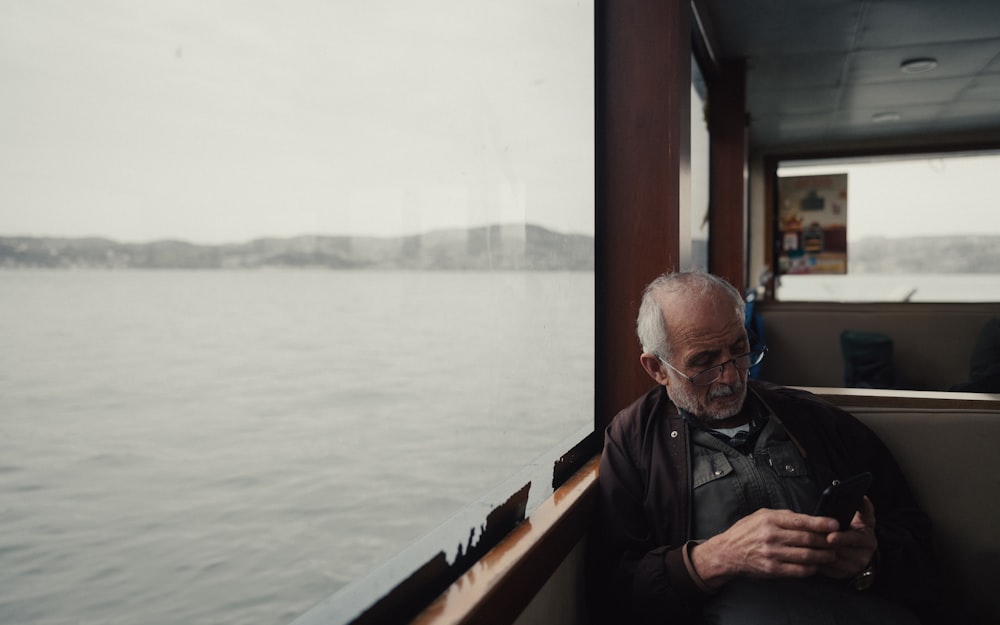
(730, 484)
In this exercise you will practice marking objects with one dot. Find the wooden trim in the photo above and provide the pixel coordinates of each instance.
(643, 128)
(501, 584)
(727, 244)
(906, 400)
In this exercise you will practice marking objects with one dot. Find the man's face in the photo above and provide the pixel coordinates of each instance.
(703, 335)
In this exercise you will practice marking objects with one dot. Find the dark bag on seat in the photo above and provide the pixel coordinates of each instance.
(867, 359)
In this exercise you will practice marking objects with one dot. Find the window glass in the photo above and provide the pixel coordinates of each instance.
(920, 229)
(699, 170)
(285, 285)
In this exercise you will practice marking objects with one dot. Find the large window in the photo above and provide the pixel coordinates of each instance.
(286, 285)
(921, 229)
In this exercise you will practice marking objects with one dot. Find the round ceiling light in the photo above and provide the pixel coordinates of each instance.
(918, 66)
(888, 116)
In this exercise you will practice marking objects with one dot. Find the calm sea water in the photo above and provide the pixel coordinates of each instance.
(232, 447)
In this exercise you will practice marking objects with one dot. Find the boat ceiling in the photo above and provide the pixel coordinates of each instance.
(828, 75)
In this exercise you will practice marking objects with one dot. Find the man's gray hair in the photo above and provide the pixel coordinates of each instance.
(650, 325)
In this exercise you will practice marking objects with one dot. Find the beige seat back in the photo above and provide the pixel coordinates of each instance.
(950, 452)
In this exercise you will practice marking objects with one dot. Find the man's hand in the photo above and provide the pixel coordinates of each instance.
(775, 543)
(854, 548)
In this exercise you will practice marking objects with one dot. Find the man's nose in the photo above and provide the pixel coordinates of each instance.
(730, 374)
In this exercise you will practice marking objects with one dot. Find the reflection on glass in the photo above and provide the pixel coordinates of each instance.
(285, 286)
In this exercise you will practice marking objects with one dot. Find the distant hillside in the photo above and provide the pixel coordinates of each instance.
(933, 254)
(501, 247)
(507, 247)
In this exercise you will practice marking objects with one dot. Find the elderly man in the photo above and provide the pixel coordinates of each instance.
(707, 483)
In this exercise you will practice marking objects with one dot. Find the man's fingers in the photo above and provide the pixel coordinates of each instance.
(866, 515)
(807, 522)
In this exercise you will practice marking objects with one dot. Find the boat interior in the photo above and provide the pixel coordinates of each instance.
(784, 80)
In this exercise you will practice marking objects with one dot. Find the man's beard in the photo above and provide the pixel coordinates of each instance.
(707, 410)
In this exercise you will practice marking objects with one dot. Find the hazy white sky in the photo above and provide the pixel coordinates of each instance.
(225, 120)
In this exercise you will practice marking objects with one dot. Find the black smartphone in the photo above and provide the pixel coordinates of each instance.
(842, 498)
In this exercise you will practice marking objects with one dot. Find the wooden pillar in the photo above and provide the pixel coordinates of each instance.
(643, 132)
(727, 127)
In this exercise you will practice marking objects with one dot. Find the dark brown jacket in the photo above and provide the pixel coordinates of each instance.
(646, 498)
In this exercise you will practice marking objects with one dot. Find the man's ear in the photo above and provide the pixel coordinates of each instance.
(656, 369)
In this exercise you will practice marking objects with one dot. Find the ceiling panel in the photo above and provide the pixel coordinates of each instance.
(783, 27)
(917, 22)
(824, 69)
(983, 90)
(819, 70)
(967, 58)
(899, 94)
(865, 118)
(798, 102)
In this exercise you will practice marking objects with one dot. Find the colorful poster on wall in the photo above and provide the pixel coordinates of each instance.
(812, 224)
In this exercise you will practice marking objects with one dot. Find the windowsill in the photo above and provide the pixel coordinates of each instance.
(399, 589)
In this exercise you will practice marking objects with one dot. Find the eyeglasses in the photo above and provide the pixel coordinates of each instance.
(708, 376)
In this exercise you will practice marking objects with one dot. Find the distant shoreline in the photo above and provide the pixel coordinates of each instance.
(512, 247)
